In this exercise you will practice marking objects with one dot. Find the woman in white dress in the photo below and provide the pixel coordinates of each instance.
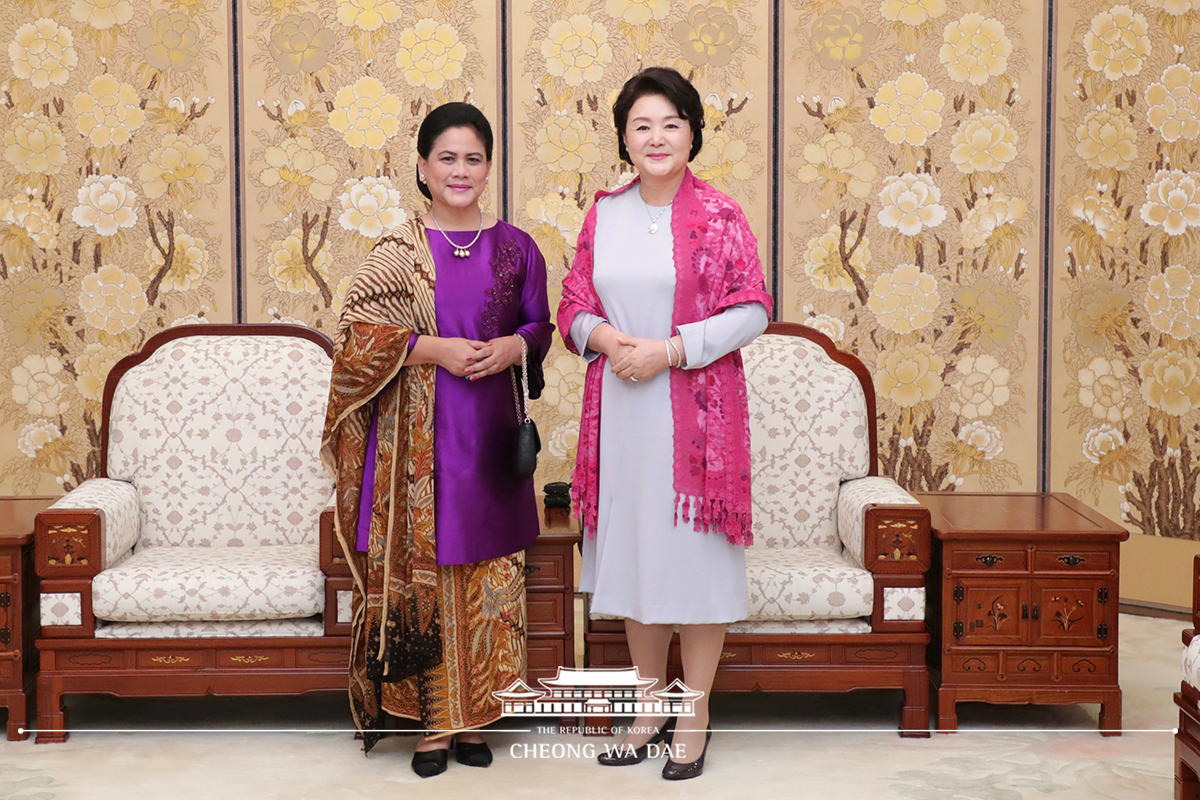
(666, 287)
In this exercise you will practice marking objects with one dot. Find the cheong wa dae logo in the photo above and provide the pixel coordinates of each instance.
(597, 692)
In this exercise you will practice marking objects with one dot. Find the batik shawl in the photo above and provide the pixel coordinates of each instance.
(397, 617)
(716, 267)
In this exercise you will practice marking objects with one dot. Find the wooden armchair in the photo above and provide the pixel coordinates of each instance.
(202, 560)
(1187, 737)
(837, 570)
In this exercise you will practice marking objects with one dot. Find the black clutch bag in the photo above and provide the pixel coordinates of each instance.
(529, 443)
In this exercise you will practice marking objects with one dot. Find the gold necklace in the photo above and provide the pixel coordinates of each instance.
(460, 250)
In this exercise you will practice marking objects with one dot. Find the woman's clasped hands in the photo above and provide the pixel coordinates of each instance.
(472, 359)
(637, 359)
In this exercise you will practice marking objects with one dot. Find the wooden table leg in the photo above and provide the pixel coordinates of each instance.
(1110, 714)
(947, 710)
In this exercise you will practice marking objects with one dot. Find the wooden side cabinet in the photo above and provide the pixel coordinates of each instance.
(1025, 603)
(550, 596)
(19, 623)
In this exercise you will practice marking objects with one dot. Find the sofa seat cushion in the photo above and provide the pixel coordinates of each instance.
(159, 584)
(1191, 663)
(207, 629)
(806, 583)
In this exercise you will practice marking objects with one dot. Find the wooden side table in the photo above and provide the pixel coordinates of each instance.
(1024, 608)
(550, 595)
(19, 623)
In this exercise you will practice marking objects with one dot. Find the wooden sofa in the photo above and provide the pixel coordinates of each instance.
(837, 569)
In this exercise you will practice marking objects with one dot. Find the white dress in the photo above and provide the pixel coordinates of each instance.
(640, 564)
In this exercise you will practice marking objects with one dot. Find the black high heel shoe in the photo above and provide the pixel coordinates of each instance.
(473, 754)
(428, 763)
(675, 771)
(621, 757)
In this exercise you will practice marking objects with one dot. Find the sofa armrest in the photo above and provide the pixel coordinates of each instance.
(333, 559)
(91, 528)
(883, 528)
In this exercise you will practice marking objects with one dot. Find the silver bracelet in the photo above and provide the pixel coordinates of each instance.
(667, 348)
(678, 354)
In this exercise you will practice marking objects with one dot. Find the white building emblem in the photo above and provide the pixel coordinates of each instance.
(597, 692)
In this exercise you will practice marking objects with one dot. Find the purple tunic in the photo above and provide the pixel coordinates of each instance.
(482, 510)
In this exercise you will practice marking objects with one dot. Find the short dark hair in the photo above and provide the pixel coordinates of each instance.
(671, 85)
(442, 119)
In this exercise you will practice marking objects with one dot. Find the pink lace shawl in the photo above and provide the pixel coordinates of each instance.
(716, 267)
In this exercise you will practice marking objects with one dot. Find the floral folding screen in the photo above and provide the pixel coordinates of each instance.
(891, 155)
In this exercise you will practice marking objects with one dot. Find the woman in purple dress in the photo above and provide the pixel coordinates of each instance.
(421, 435)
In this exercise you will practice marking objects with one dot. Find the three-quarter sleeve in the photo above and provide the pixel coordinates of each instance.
(709, 339)
(534, 317)
(581, 330)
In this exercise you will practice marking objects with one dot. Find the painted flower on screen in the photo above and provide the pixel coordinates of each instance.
(298, 164)
(189, 262)
(1100, 310)
(112, 300)
(43, 53)
(366, 114)
(990, 215)
(35, 146)
(708, 37)
(1101, 442)
(1102, 389)
(577, 50)
(907, 110)
(300, 43)
(371, 206)
(1173, 104)
(723, 159)
(837, 162)
(637, 12)
(560, 213)
(431, 54)
(368, 15)
(30, 216)
(1101, 214)
(975, 48)
(102, 14)
(37, 435)
(982, 386)
(823, 261)
(1117, 42)
(1173, 302)
(36, 386)
(28, 310)
(831, 326)
(288, 268)
(1176, 8)
(567, 143)
(1172, 201)
(909, 374)
(842, 39)
(92, 368)
(904, 299)
(1106, 139)
(108, 112)
(564, 384)
(1170, 381)
(171, 41)
(107, 203)
(912, 12)
(985, 142)
(990, 310)
(983, 437)
(910, 203)
(178, 163)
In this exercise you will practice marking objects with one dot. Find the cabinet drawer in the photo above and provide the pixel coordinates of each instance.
(972, 667)
(545, 657)
(1083, 666)
(250, 658)
(988, 559)
(1072, 560)
(546, 569)
(544, 612)
(170, 659)
(325, 657)
(737, 654)
(818, 654)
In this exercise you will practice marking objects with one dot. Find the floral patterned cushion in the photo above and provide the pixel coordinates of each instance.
(118, 505)
(808, 433)
(220, 436)
(161, 584)
(798, 626)
(904, 602)
(210, 630)
(853, 500)
(1191, 663)
(806, 583)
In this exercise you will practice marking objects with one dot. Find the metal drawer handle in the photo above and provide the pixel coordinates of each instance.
(1024, 611)
(531, 568)
(989, 560)
(1072, 561)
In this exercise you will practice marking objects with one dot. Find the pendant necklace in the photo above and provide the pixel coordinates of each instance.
(460, 250)
(653, 229)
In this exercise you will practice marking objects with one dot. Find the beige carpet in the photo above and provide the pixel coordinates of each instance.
(767, 746)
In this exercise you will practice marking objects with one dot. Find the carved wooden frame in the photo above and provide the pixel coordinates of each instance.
(74, 661)
(891, 656)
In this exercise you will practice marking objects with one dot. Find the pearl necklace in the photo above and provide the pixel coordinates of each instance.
(653, 229)
(460, 250)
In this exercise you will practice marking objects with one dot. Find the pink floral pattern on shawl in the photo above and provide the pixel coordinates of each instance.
(716, 267)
